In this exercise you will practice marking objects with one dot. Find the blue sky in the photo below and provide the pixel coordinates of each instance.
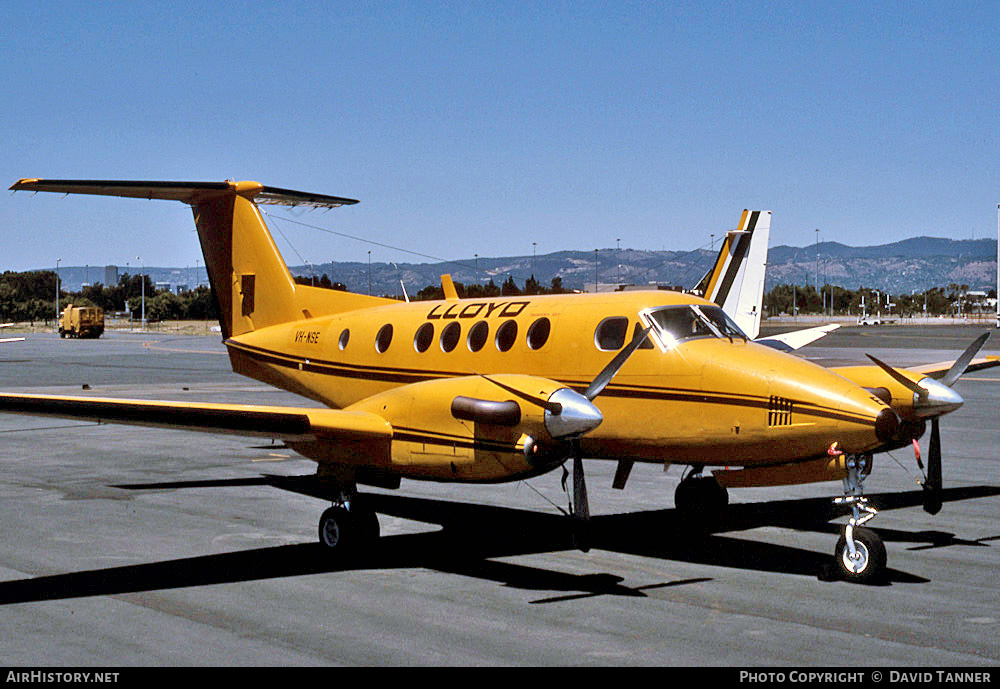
(473, 127)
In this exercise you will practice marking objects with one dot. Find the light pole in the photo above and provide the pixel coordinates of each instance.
(817, 259)
(57, 293)
(369, 273)
(142, 282)
(618, 259)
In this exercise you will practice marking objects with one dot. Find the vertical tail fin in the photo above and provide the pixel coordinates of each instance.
(736, 281)
(251, 282)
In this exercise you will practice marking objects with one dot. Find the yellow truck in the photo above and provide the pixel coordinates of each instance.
(81, 321)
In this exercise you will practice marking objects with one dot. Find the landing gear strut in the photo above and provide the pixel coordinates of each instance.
(860, 554)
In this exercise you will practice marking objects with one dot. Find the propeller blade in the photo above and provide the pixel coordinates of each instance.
(958, 368)
(933, 483)
(899, 377)
(551, 407)
(604, 377)
(581, 505)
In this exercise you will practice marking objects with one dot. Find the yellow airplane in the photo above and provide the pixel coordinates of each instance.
(501, 389)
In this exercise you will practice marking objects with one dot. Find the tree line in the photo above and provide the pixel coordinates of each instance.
(838, 301)
(29, 297)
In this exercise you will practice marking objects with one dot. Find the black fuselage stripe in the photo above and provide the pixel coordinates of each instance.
(392, 375)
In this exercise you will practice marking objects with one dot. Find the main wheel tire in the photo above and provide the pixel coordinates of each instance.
(701, 496)
(871, 562)
(348, 531)
(336, 530)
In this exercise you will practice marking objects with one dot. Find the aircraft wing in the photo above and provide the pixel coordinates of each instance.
(287, 423)
(797, 339)
(938, 370)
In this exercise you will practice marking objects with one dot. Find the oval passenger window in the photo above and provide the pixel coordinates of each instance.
(425, 335)
(384, 338)
(538, 333)
(506, 335)
(478, 335)
(450, 336)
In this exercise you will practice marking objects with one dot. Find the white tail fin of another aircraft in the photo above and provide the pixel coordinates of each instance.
(736, 281)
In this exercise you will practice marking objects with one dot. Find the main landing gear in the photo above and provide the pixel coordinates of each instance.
(349, 526)
(860, 554)
(701, 496)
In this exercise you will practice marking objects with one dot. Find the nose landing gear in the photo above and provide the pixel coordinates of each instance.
(860, 554)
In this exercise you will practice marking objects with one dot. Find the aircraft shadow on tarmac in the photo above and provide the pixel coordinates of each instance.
(473, 535)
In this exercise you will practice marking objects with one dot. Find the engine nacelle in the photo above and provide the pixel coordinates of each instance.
(471, 428)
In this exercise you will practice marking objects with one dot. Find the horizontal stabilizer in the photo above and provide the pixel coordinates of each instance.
(188, 192)
(787, 342)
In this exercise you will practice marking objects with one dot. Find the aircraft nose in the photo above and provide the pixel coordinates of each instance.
(577, 415)
(940, 399)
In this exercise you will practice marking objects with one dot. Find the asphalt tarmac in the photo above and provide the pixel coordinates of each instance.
(126, 546)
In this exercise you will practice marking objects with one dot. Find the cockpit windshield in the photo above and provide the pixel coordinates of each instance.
(675, 324)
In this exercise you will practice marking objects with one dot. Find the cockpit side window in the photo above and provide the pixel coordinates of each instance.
(610, 334)
(675, 324)
(722, 321)
(680, 323)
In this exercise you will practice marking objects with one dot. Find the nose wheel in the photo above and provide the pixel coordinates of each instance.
(864, 560)
(860, 554)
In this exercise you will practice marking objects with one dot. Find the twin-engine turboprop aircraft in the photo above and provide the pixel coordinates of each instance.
(494, 390)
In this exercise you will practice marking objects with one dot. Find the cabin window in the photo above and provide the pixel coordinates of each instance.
(425, 335)
(384, 338)
(506, 335)
(450, 336)
(610, 334)
(538, 333)
(345, 336)
(478, 334)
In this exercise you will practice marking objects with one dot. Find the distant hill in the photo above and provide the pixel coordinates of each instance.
(918, 263)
